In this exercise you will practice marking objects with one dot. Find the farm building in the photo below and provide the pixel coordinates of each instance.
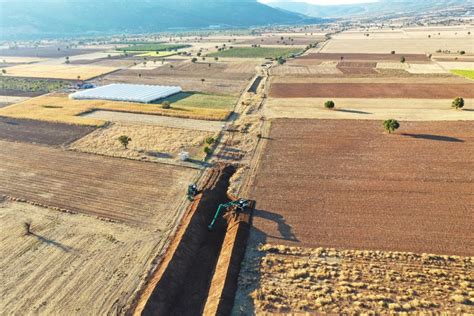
(127, 92)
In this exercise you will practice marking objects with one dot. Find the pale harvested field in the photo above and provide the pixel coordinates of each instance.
(133, 192)
(149, 142)
(400, 45)
(59, 108)
(457, 65)
(282, 279)
(84, 58)
(369, 109)
(157, 120)
(20, 60)
(7, 100)
(71, 264)
(386, 65)
(68, 72)
(426, 69)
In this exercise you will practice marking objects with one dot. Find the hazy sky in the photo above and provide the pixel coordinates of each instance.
(323, 2)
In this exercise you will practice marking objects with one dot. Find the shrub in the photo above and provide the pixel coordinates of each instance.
(392, 52)
(166, 105)
(124, 140)
(391, 125)
(458, 103)
(402, 59)
(194, 60)
(462, 52)
(210, 140)
(207, 150)
(329, 104)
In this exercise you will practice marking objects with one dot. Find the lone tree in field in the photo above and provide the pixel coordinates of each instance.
(202, 80)
(402, 59)
(329, 105)
(4, 71)
(391, 125)
(458, 103)
(27, 226)
(124, 140)
(166, 105)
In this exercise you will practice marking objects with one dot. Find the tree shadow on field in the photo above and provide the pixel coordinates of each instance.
(352, 111)
(285, 230)
(468, 110)
(52, 243)
(434, 137)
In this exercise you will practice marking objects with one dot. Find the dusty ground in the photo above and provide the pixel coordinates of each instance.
(40, 132)
(221, 77)
(148, 142)
(413, 41)
(281, 279)
(46, 52)
(373, 90)
(347, 184)
(369, 109)
(71, 264)
(59, 108)
(157, 120)
(7, 100)
(136, 193)
(68, 72)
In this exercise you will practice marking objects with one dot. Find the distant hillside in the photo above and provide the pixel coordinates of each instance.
(381, 7)
(24, 18)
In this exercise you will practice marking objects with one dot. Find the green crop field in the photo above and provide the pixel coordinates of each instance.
(32, 85)
(256, 52)
(201, 100)
(464, 73)
(152, 47)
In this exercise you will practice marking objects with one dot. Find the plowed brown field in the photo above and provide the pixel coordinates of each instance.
(346, 184)
(132, 192)
(372, 90)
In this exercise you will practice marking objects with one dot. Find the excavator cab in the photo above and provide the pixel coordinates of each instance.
(192, 191)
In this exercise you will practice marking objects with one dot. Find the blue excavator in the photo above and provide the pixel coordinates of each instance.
(239, 204)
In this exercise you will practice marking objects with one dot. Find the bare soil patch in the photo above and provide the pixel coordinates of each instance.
(46, 52)
(346, 184)
(349, 67)
(40, 132)
(281, 279)
(123, 190)
(157, 120)
(373, 90)
(366, 57)
(220, 77)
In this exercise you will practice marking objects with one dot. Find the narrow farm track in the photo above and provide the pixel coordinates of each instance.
(124, 190)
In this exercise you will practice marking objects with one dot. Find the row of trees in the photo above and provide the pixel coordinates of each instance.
(391, 125)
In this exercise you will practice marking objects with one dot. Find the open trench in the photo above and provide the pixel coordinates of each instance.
(182, 284)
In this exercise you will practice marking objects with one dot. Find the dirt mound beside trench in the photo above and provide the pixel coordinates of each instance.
(185, 282)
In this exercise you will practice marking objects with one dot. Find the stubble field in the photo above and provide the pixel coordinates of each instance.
(281, 279)
(143, 194)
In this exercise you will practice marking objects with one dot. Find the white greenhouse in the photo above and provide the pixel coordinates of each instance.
(126, 92)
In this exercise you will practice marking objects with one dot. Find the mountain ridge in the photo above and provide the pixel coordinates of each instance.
(23, 18)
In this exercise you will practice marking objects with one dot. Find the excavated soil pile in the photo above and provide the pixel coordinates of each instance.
(183, 283)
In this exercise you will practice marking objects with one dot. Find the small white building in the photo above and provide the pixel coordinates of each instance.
(127, 92)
